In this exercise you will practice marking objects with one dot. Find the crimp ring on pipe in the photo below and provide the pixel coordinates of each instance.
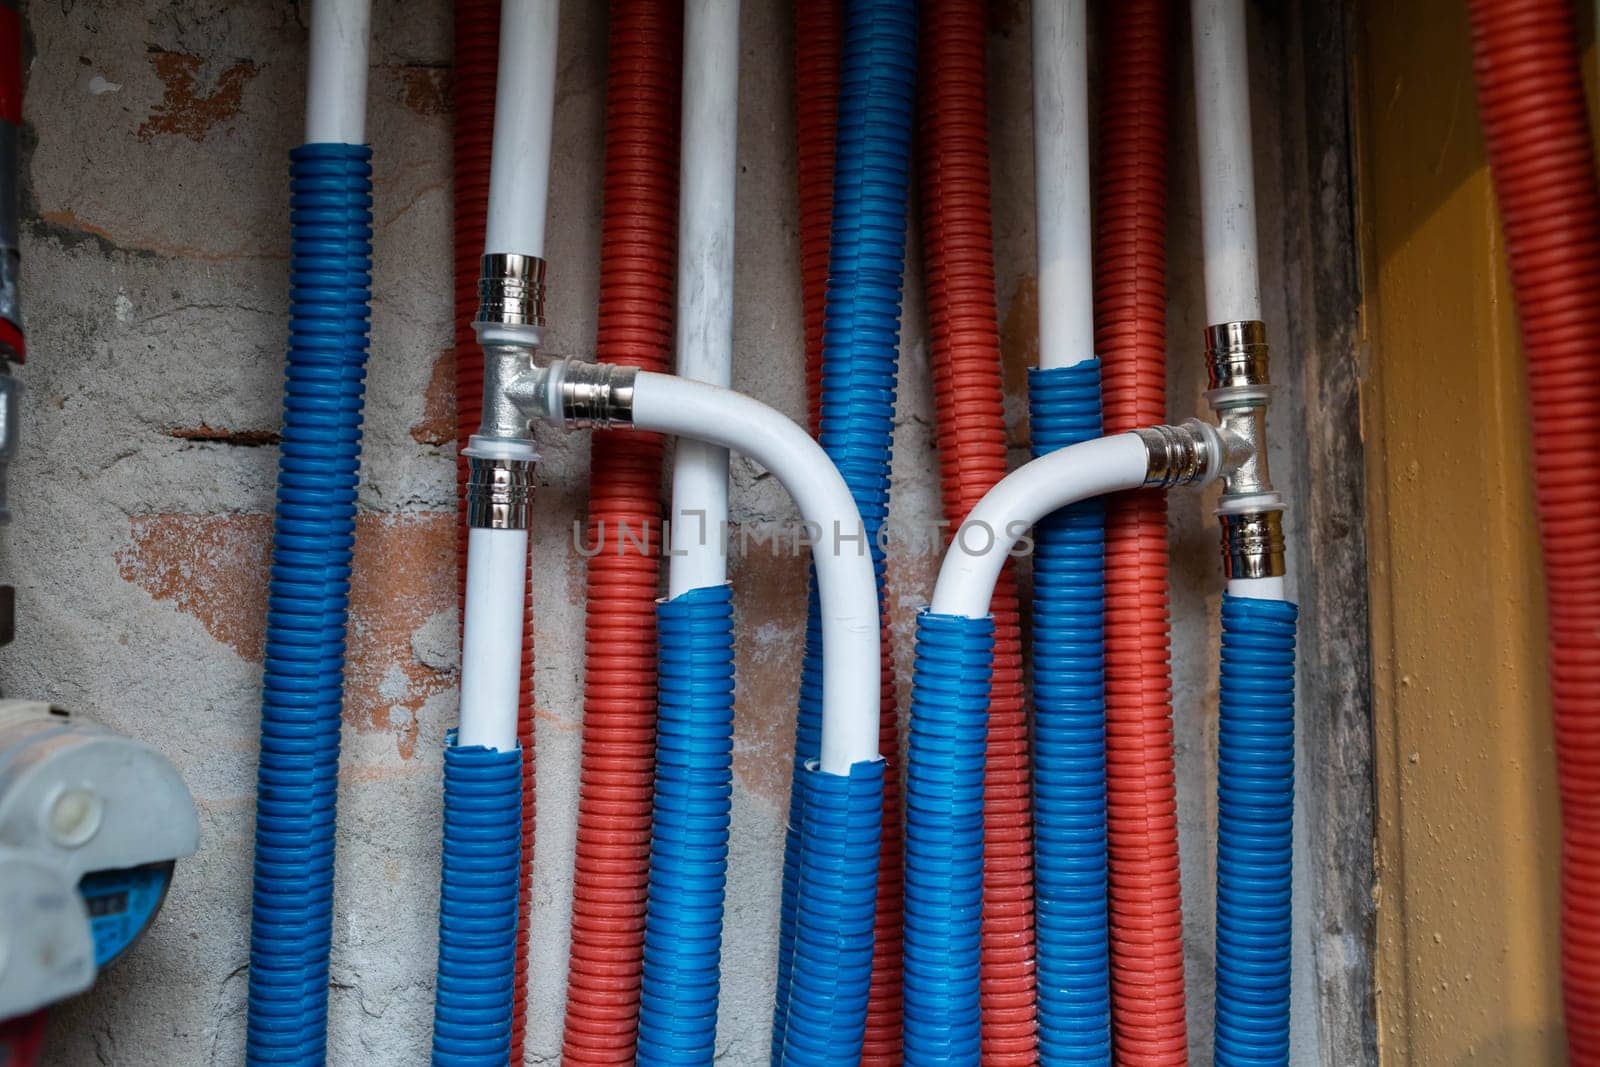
(1236, 354)
(499, 493)
(1252, 544)
(1189, 454)
(597, 395)
(511, 290)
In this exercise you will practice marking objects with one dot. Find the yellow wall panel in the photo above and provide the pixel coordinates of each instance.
(1467, 819)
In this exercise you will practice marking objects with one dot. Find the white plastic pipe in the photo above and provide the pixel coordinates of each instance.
(491, 638)
(847, 591)
(1061, 181)
(524, 116)
(707, 177)
(1228, 188)
(1227, 182)
(336, 83)
(994, 527)
(1259, 588)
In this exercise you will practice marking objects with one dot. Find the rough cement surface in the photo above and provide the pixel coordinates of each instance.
(155, 270)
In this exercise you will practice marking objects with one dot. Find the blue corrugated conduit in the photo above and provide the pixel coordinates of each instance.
(1255, 831)
(313, 531)
(861, 331)
(944, 837)
(479, 869)
(689, 832)
(1069, 739)
(807, 745)
(837, 895)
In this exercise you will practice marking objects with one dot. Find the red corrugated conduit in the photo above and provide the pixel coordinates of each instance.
(1530, 93)
(819, 33)
(964, 341)
(1130, 336)
(818, 28)
(477, 49)
(638, 265)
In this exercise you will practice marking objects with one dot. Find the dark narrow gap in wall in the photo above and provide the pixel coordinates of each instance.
(1322, 348)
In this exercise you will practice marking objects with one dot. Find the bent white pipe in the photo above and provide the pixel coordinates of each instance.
(994, 527)
(336, 81)
(1227, 182)
(1061, 182)
(706, 183)
(847, 590)
(524, 117)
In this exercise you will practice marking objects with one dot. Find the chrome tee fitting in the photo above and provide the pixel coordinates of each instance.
(1250, 510)
(501, 455)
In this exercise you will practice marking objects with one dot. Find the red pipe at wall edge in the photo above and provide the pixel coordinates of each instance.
(22, 1040)
(477, 46)
(1147, 990)
(964, 345)
(1530, 95)
(638, 269)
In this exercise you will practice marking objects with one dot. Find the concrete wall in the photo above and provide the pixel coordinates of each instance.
(155, 245)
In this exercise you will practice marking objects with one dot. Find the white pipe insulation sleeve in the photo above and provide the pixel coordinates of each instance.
(1004, 516)
(491, 638)
(706, 191)
(1061, 181)
(524, 117)
(1227, 180)
(336, 81)
(847, 590)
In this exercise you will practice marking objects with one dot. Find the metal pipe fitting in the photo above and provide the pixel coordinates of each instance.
(1252, 544)
(1236, 354)
(1251, 511)
(513, 387)
(1236, 366)
(1190, 454)
(499, 493)
(595, 395)
(511, 290)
